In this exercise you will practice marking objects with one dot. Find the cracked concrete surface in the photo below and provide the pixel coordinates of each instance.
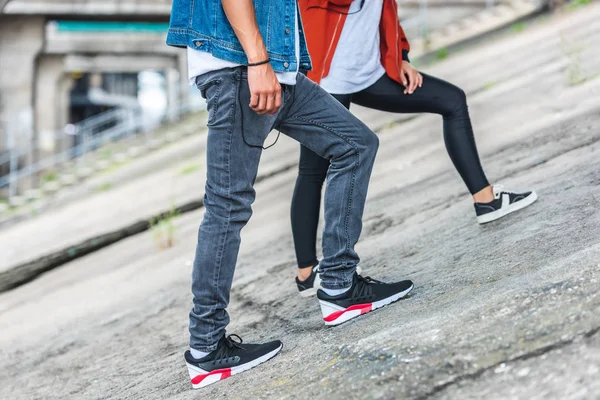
(502, 311)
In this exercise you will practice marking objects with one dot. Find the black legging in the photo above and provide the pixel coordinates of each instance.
(436, 96)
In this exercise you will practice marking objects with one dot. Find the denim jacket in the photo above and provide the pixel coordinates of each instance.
(203, 25)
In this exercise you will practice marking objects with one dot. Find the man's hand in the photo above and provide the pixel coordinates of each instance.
(265, 90)
(411, 78)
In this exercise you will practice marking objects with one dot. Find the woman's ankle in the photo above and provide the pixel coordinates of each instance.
(304, 273)
(485, 195)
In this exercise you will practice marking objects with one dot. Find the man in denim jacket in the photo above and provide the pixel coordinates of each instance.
(244, 56)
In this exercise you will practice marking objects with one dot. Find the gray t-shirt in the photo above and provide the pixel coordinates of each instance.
(356, 64)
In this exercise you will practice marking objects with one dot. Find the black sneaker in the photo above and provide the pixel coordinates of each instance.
(503, 204)
(365, 295)
(229, 358)
(309, 286)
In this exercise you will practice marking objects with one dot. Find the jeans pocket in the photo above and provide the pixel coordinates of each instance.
(210, 91)
(254, 127)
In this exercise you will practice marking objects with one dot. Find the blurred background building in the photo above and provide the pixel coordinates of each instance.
(64, 61)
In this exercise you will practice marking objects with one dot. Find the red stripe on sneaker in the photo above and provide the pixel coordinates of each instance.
(364, 308)
(225, 373)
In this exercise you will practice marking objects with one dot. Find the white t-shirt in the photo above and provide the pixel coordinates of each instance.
(201, 62)
(356, 64)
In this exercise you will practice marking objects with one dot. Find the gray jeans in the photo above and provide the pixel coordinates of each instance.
(235, 138)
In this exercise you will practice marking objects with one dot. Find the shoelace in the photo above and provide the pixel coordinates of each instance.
(368, 279)
(499, 189)
(232, 341)
(366, 289)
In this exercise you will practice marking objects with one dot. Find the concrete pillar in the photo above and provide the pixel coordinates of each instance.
(184, 83)
(64, 87)
(51, 103)
(173, 93)
(21, 40)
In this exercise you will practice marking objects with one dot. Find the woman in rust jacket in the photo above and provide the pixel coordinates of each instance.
(359, 54)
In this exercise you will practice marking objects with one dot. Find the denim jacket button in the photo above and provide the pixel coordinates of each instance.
(287, 31)
(198, 43)
(286, 64)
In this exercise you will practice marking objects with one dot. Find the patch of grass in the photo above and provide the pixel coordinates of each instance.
(50, 177)
(572, 51)
(104, 187)
(575, 4)
(574, 75)
(188, 169)
(12, 211)
(489, 84)
(113, 167)
(105, 153)
(163, 229)
(426, 41)
(33, 212)
(593, 76)
(441, 54)
(518, 27)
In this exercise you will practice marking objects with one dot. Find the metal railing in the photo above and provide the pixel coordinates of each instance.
(75, 141)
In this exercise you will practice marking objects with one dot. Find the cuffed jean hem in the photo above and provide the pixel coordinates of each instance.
(343, 283)
(337, 286)
(206, 349)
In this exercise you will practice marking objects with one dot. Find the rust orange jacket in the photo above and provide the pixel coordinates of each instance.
(323, 22)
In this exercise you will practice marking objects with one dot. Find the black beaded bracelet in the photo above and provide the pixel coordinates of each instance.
(268, 60)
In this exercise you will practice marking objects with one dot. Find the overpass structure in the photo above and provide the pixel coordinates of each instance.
(47, 45)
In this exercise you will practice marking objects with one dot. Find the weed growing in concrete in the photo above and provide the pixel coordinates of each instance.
(105, 153)
(575, 4)
(104, 187)
(163, 229)
(441, 54)
(489, 84)
(188, 169)
(518, 27)
(33, 210)
(572, 51)
(50, 177)
(574, 75)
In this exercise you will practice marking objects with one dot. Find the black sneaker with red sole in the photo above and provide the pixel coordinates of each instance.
(365, 295)
(231, 357)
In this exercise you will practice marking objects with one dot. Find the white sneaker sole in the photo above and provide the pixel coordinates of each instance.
(201, 378)
(308, 292)
(317, 285)
(335, 315)
(519, 205)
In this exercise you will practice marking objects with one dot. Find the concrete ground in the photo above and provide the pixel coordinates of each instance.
(506, 310)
